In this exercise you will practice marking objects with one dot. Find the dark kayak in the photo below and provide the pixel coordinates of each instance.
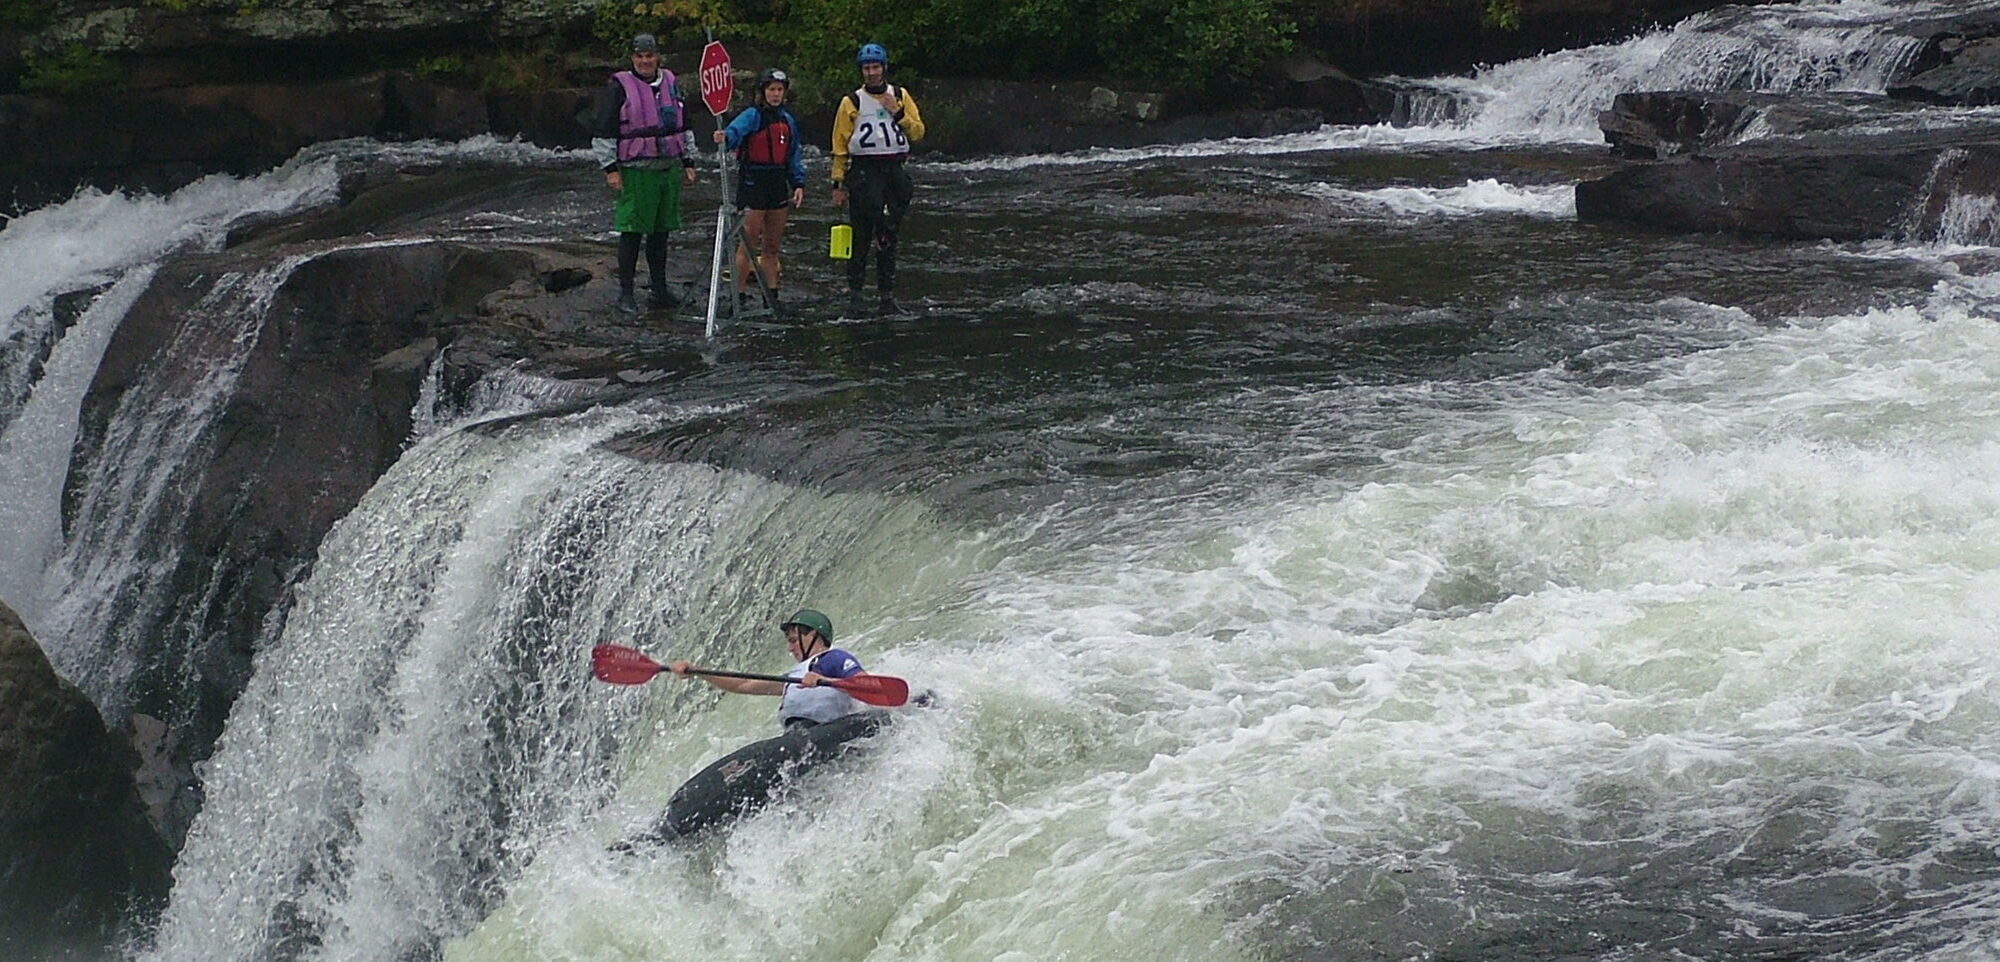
(751, 777)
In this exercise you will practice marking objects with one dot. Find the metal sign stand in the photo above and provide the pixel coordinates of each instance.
(716, 88)
(721, 215)
(762, 306)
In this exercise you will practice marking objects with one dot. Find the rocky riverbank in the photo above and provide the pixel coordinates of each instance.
(165, 138)
(206, 88)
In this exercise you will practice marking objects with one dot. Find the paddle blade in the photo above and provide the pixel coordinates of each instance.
(620, 665)
(884, 690)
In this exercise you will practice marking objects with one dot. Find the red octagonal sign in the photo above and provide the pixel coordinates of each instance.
(716, 83)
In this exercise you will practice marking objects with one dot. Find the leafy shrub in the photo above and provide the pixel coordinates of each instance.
(1192, 44)
(944, 125)
(182, 6)
(616, 22)
(1501, 15)
(71, 69)
(1188, 44)
(26, 14)
(509, 71)
(448, 66)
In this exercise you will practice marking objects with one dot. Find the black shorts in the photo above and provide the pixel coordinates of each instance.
(760, 190)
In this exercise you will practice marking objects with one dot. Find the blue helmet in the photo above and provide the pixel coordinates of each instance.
(871, 53)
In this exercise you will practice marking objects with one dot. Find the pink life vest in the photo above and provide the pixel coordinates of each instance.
(649, 125)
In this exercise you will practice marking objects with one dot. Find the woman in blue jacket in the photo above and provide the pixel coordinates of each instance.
(765, 137)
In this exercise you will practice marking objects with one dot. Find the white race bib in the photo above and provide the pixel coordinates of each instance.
(876, 133)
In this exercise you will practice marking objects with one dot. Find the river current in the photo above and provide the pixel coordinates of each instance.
(1320, 547)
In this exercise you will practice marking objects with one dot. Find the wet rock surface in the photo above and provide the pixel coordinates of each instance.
(78, 854)
(1840, 166)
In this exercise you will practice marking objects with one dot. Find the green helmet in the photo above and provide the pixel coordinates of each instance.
(808, 618)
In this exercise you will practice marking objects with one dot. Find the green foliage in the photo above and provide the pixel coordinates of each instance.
(449, 66)
(183, 6)
(1183, 43)
(1193, 44)
(816, 39)
(616, 22)
(944, 124)
(495, 70)
(71, 69)
(1031, 37)
(26, 14)
(515, 71)
(1501, 15)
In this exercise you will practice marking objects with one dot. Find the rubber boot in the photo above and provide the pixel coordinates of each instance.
(628, 263)
(662, 296)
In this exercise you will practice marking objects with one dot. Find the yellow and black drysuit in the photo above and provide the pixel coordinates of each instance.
(870, 142)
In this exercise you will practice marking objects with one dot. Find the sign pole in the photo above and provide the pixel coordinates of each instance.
(716, 87)
(715, 262)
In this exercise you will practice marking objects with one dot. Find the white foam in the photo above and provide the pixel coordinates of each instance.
(88, 238)
(1474, 197)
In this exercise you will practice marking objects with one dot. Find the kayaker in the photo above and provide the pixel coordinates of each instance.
(806, 702)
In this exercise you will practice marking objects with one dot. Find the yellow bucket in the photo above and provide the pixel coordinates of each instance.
(840, 246)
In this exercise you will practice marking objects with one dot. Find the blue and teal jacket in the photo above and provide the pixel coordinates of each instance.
(767, 138)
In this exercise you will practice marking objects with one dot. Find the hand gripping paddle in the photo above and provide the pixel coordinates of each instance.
(620, 665)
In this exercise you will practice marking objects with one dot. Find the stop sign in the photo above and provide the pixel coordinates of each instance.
(716, 83)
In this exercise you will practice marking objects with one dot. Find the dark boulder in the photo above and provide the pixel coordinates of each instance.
(79, 857)
(1957, 62)
(1663, 123)
(1839, 188)
(1655, 125)
(1303, 82)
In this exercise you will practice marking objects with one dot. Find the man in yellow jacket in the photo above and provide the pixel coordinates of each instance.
(872, 133)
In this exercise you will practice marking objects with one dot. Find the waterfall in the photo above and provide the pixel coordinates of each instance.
(99, 250)
(426, 723)
(1970, 220)
(1778, 48)
(35, 445)
(113, 579)
(1957, 204)
(1855, 47)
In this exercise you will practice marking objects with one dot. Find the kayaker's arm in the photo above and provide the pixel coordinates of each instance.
(740, 686)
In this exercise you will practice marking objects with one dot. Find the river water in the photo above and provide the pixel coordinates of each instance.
(1321, 547)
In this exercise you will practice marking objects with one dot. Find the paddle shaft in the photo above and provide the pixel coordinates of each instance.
(881, 690)
(620, 665)
(750, 675)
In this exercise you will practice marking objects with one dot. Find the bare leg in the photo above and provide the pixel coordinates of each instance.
(752, 238)
(773, 235)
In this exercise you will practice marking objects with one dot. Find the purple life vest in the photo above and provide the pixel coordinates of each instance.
(649, 125)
